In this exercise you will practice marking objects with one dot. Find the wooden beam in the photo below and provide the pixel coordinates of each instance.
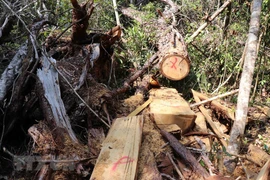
(120, 150)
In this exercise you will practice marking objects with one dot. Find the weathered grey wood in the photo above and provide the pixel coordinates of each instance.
(50, 83)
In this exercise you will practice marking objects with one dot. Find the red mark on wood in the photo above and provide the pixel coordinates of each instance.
(173, 63)
(122, 160)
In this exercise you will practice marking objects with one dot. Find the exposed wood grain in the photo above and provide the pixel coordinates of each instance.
(219, 107)
(119, 155)
(210, 121)
(48, 77)
(168, 107)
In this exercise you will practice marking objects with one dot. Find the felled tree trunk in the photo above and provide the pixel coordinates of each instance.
(173, 56)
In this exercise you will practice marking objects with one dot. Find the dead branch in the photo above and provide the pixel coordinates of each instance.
(152, 61)
(214, 98)
(209, 120)
(175, 166)
(185, 154)
(229, 113)
(208, 21)
(4, 25)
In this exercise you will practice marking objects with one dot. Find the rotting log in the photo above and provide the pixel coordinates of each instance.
(120, 150)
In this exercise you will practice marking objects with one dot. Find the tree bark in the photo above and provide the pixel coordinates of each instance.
(245, 82)
(12, 70)
(80, 17)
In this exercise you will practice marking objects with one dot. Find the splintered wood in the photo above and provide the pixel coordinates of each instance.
(120, 150)
(168, 107)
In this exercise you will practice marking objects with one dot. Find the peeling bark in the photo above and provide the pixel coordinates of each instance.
(50, 83)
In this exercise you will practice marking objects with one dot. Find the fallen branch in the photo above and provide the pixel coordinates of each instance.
(185, 154)
(152, 61)
(229, 113)
(175, 166)
(214, 98)
(209, 120)
(208, 21)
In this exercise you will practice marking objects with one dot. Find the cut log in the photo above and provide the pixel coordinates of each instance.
(119, 155)
(175, 64)
(168, 107)
(173, 56)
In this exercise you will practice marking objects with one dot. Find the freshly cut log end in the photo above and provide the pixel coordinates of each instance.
(175, 67)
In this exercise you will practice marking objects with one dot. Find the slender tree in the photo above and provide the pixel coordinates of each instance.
(245, 84)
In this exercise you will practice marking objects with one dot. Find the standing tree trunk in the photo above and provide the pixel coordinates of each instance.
(245, 84)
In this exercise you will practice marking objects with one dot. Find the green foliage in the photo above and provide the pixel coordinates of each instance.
(103, 17)
(139, 40)
(215, 53)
